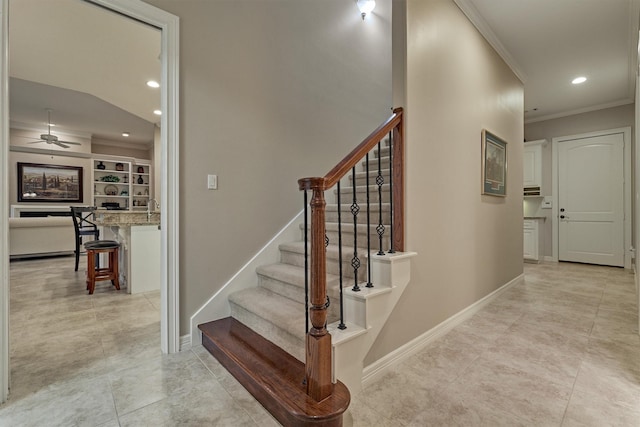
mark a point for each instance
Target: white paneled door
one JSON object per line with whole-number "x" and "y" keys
{"x": 591, "y": 200}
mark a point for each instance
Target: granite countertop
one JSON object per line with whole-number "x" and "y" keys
{"x": 535, "y": 217}
{"x": 124, "y": 218}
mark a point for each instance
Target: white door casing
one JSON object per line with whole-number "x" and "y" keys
{"x": 169, "y": 24}
{"x": 4, "y": 201}
{"x": 592, "y": 198}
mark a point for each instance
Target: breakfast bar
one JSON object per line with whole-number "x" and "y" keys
{"x": 139, "y": 236}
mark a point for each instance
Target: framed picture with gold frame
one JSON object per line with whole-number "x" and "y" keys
{"x": 494, "y": 165}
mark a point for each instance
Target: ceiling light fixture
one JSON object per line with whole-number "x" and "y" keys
{"x": 579, "y": 80}
{"x": 125, "y": 134}
{"x": 365, "y": 6}
{"x": 154, "y": 84}
{"x": 157, "y": 112}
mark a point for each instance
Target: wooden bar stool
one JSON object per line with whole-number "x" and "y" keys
{"x": 110, "y": 272}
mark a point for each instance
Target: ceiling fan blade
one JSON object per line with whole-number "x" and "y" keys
{"x": 60, "y": 144}
{"x": 34, "y": 142}
{"x": 70, "y": 142}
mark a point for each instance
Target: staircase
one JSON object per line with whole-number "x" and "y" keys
{"x": 263, "y": 342}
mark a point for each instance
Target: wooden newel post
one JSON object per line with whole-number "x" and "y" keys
{"x": 318, "y": 349}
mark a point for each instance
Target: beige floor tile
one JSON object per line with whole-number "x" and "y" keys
{"x": 561, "y": 348}
{"x": 502, "y": 388}
{"x": 586, "y": 410}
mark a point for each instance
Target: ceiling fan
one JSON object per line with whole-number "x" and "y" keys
{"x": 49, "y": 138}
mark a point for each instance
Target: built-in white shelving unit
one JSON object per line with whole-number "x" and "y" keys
{"x": 121, "y": 184}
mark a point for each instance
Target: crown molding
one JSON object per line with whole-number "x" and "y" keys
{"x": 468, "y": 8}
{"x": 618, "y": 103}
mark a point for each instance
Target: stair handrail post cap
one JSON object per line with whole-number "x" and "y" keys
{"x": 313, "y": 183}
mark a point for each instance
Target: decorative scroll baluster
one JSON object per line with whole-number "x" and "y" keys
{"x": 355, "y": 261}
{"x": 342, "y": 324}
{"x": 380, "y": 182}
{"x": 369, "y": 284}
{"x": 392, "y": 250}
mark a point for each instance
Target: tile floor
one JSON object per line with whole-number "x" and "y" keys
{"x": 561, "y": 349}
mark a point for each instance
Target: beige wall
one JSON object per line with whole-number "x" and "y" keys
{"x": 609, "y": 118}
{"x": 270, "y": 91}
{"x": 468, "y": 245}
{"x": 106, "y": 147}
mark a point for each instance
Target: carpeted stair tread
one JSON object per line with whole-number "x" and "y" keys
{"x": 291, "y": 274}
{"x": 283, "y": 313}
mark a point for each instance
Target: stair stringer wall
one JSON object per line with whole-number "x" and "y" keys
{"x": 217, "y": 307}
{"x": 367, "y": 311}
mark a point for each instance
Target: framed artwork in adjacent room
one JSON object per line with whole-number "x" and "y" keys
{"x": 49, "y": 183}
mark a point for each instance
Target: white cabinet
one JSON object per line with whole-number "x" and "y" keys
{"x": 532, "y": 166}
{"x": 532, "y": 242}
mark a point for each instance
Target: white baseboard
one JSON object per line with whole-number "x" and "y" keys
{"x": 185, "y": 342}
{"x": 381, "y": 366}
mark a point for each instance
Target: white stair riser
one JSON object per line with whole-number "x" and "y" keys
{"x": 391, "y": 273}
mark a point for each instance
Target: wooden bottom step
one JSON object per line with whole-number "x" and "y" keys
{"x": 271, "y": 375}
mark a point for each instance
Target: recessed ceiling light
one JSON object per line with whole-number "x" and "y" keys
{"x": 125, "y": 134}
{"x": 157, "y": 112}
{"x": 153, "y": 83}
{"x": 579, "y": 80}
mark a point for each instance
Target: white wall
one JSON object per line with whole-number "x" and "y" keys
{"x": 468, "y": 245}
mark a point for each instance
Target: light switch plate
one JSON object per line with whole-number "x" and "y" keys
{"x": 212, "y": 182}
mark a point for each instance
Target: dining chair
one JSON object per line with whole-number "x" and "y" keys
{"x": 83, "y": 226}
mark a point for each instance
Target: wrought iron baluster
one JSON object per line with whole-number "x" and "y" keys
{"x": 306, "y": 264}
{"x": 369, "y": 284}
{"x": 380, "y": 182}
{"x": 341, "y": 325}
{"x": 392, "y": 250}
{"x": 355, "y": 261}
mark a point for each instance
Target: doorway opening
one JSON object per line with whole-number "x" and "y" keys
{"x": 168, "y": 24}
{"x": 592, "y": 198}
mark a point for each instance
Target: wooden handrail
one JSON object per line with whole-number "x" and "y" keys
{"x": 345, "y": 165}
{"x": 318, "y": 343}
